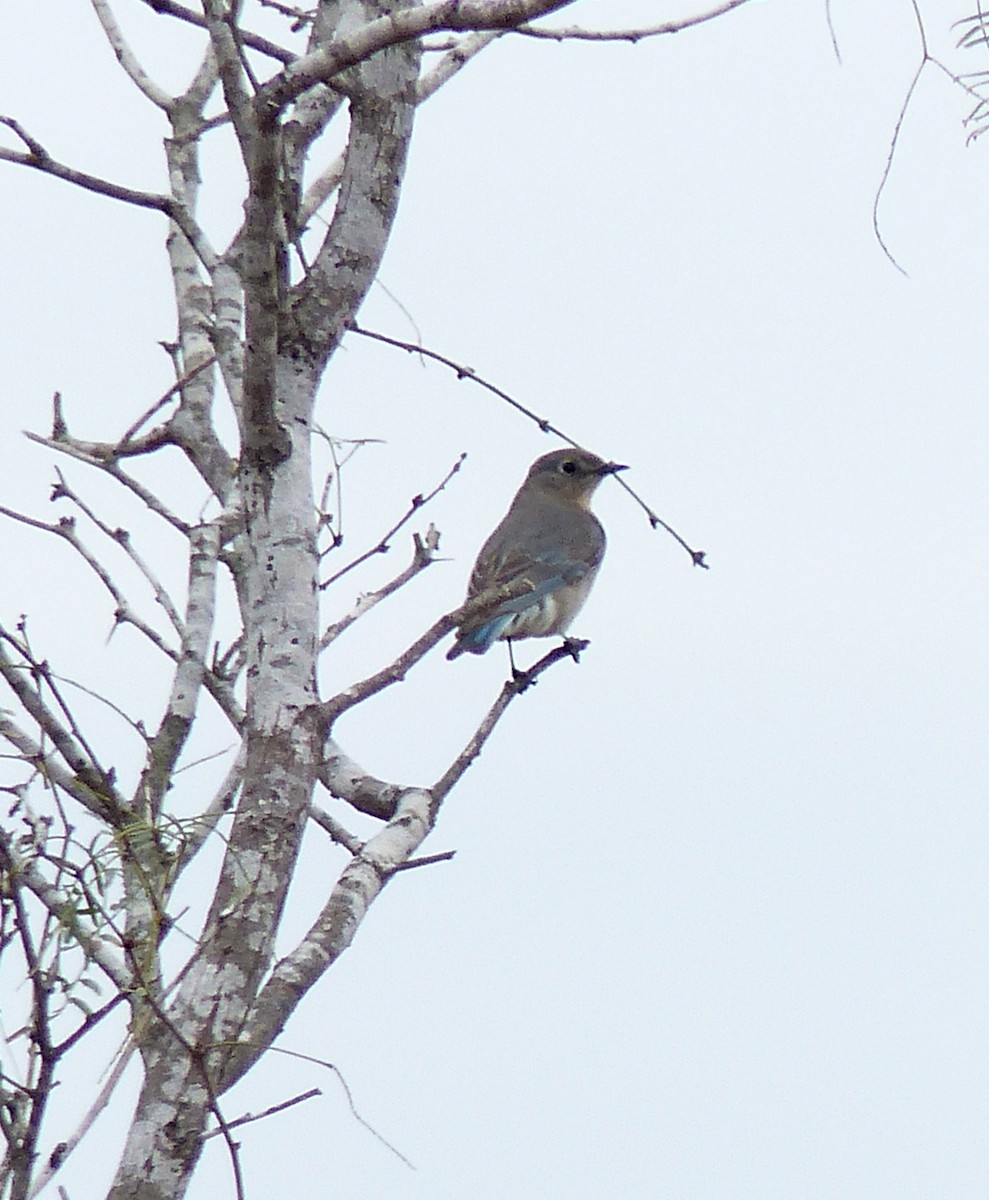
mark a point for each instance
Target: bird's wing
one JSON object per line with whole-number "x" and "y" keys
{"x": 518, "y": 577}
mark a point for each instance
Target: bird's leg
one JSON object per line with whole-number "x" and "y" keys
{"x": 521, "y": 681}
{"x": 516, "y": 673}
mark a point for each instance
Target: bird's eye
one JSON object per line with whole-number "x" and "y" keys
{"x": 568, "y": 467}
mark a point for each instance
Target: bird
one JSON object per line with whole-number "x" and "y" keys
{"x": 536, "y": 569}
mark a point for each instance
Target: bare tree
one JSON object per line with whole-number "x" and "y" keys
{"x": 89, "y": 864}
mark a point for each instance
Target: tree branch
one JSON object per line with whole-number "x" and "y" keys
{"x": 170, "y": 8}
{"x": 67, "y": 445}
{"x": 38, "y": 158}
{"x": 128, "y": 59}
{"x": 346, "y": 780}
{"x": 381, "y": 547}
{"x": 453, "y": 61}
{"x": 464, "y": 372}
{"x": 638, "y": 34}
{"x": 103, "y": 798}
{"x": 402, "y": 25}
{"x": 96, "y": 948}
{"x": 423, "y": 556}
{"x": 395, "y": 672}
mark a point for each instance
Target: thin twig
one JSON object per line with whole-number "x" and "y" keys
{"x": 383, "y": 545}
{"x": 925, "y": 58}
{"x": 64, "y": 1149}
{"x": 887, "y": 168}
{"x": 463, "y": 372}
{"x": 831, "y": 30}
{"x": 393, "y": 673}
{"x": 250, "y": 1118}
{"x": 93, "y": 945}
{"x": 343, "y": 837}
{"x": 68, "y": 446}
{"x": 123, "y": 614}
{"x": 334, "y": 480}
{"x": 574, "y": 33}
{"x": 254, "y": 40}
{"x": 423, "y": 555}
{"x": 174, "y": 391}
{"x": 545, "y": 426}
{"x": 320, "y": 1062}
{"x": 123, "y": 539}
{"x": 427, "y": 860}
{"x": 37, "y": 158}
{"x": 570, "y": 648}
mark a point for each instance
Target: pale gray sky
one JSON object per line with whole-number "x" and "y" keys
{"x": 717, "y": 924}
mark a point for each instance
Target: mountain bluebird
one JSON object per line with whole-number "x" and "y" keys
{"x": 536, "y": 569}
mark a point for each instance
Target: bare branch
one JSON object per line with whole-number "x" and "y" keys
{"x": 926, "y": 59}
{"x": 333, "y": 930}
{"x": 102, "y": 798}
{"x": 340, "y": 835}
{"x": 64, "y": 1149}
{"x": 570, "y": 648}
{"x": 349, "y": 256}
{"x": 67, "y": 445}
{"x": 50, "y": 769}
{"x": 424, "y": 554}
{"x": 402, "y": 25}
{"x": 360, "y": 883}
{"x": 300, "y": 17}
{"x": 829, "y": 17}
{"x": 122, "y": 538}
{"x": 346, "y": 780}
{"x": 196, "y": 833}
{"x": 38, "y": 158}
{"x": 22, "y": 1136}
{"x": 255, "y": 41}
{"x": 455, "y": 59}
{"x": 123, "y": 613}
{"x": 250, "y": 1118}
{"x": 417, "y": 502}
{"x": 129, "y": 437}
{"x": 464, "y": 372}
{"x": 638, "y": 34}
{"x": 887, "y": 168}
{"x": 350, "y": 1098}
{"x": 230, "y": 66}
{"x": 395, "y": 672}
{"x": 128, "y": 59}
{"x": 176, "y": 723}
{"x": 453, "y": 62}
{"x": 97, "y": 949}
{"x": 427, "y": 860}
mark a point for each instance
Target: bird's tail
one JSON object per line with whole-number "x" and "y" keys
{"x": 480, "y": 638}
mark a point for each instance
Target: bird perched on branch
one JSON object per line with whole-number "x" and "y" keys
{"x": 535, "y": 571}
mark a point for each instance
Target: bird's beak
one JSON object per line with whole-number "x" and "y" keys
{"x": 612, "y": 468}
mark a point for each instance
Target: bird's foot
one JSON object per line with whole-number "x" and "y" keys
{"x": 574, "y": 646}
{"x": 521, "y": 681}
{"x": 569, "y": 648}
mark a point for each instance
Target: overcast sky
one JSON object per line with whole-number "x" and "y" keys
{"x": 716, "y": 926}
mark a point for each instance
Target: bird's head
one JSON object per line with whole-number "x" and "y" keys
{"x": 571, "y": 475}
